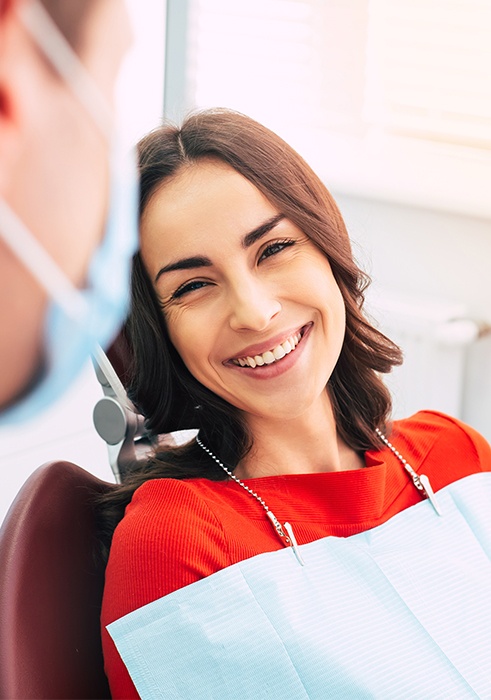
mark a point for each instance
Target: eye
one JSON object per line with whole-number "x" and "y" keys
{"x": 188, "y": 287}
{"x": 275, "y": 248}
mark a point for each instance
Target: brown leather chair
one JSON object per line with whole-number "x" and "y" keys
{"x": 51, "y": 583}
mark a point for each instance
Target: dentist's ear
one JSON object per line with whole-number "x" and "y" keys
{"x": 6, "y": 6}
{"x": 11, "y": 39}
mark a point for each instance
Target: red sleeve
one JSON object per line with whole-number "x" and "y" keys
{"x": 169, "y": 538}
{"x": 468, "y": 450}
{"x": 481, "y": 446}
{"x": 442, "y": 447}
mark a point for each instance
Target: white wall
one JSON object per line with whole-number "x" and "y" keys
{"x": 431, "y": 255}
{"x": 422, "y": 252}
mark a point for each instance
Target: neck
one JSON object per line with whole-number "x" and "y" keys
{"x": 308, "y": 443}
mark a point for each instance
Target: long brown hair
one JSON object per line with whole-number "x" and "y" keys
{"x": 165, "y": 392}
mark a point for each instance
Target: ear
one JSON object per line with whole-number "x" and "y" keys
{"x": 5, "y": 7}
{"x": 10, "y": 55}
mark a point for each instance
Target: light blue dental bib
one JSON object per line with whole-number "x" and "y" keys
{"x": 399, "y": 612}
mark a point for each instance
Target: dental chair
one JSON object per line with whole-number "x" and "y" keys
{"x": 51, "y": 584}
{"x": 51, "y": 579}
{"x": 115, "y": 417}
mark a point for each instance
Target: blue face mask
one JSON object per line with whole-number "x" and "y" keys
{"x": 76, "y": 321}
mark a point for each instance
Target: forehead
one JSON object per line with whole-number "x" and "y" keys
{"x": 206, "y": 203}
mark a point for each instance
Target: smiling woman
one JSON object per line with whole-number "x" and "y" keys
{"x": 226, "y": 173}
{"x": 248, "y": 281}
{"x": 247, "y": 324}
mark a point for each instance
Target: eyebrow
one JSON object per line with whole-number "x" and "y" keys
{"x": 196, "y": 261}
{"x": 184, "y": 264}
{"x": 250, "y": 238}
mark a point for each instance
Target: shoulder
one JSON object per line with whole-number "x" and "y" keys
{"x": 165, "y": 515}
{"x": 168, "y": 538}
{"x": 165, "y": 497}
{"x": 435, "y": 441}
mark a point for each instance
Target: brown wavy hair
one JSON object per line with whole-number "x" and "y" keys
{"x": 162, "y": 388}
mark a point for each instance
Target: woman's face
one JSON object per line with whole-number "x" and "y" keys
{"x": 250, "y": 303}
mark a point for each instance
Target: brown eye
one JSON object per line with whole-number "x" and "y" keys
{"x": 275, "y": 248}
{"x": 188, "y": 287}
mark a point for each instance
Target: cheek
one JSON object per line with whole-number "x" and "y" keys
{"x": 338, "y": 303}
{"x": 192, "y": 342}
{"x": 329, "y": 299}
{"x": 337, "y": 310}
{"x": 316, "y": 283}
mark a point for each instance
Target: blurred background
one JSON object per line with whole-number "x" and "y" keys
{"x": 390, "y": 102}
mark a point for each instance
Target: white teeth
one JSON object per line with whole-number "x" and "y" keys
{"x": 270, "y": 356}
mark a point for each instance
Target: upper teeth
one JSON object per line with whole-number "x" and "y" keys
{"x": 270, "y": 356}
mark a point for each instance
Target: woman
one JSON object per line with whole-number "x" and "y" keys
{"x": 301, "y": 546}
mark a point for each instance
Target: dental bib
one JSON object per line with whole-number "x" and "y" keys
{"x": 400, "y": 611}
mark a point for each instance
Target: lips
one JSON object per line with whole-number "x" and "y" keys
{"x": 276, "y": 352}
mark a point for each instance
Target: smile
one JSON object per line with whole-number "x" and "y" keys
{"x": 271, "y": 356}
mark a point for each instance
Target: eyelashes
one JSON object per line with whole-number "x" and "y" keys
{"x": 188, "y": 287}
{"x": 272, "y": 249}
{"x": 276, "y": 247}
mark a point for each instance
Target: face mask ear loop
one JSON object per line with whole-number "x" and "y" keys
{"x": 46, "y": 35}
{"x": 42, "y": 267}
{"x": 52, "y": 279}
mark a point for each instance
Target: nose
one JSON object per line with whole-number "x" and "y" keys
{"x": 253, "y": 305}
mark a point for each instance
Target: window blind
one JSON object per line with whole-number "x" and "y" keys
{"x": 379, "y": 93}
{"x": 429, "y": 69}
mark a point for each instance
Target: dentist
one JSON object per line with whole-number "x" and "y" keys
{"x": 67, "y": 194}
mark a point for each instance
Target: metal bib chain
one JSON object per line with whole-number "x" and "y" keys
{"x": 421, "y": 481}
{"x": 285, "y": 530}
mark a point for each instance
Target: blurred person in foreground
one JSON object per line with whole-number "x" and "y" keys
{"x": 67, "y": 194}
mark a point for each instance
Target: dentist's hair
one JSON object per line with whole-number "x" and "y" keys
{"x": 163, "y": 389}
{"x": 71, "y": 16}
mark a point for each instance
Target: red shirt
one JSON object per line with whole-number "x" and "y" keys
{"x": 176, "y": 532}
